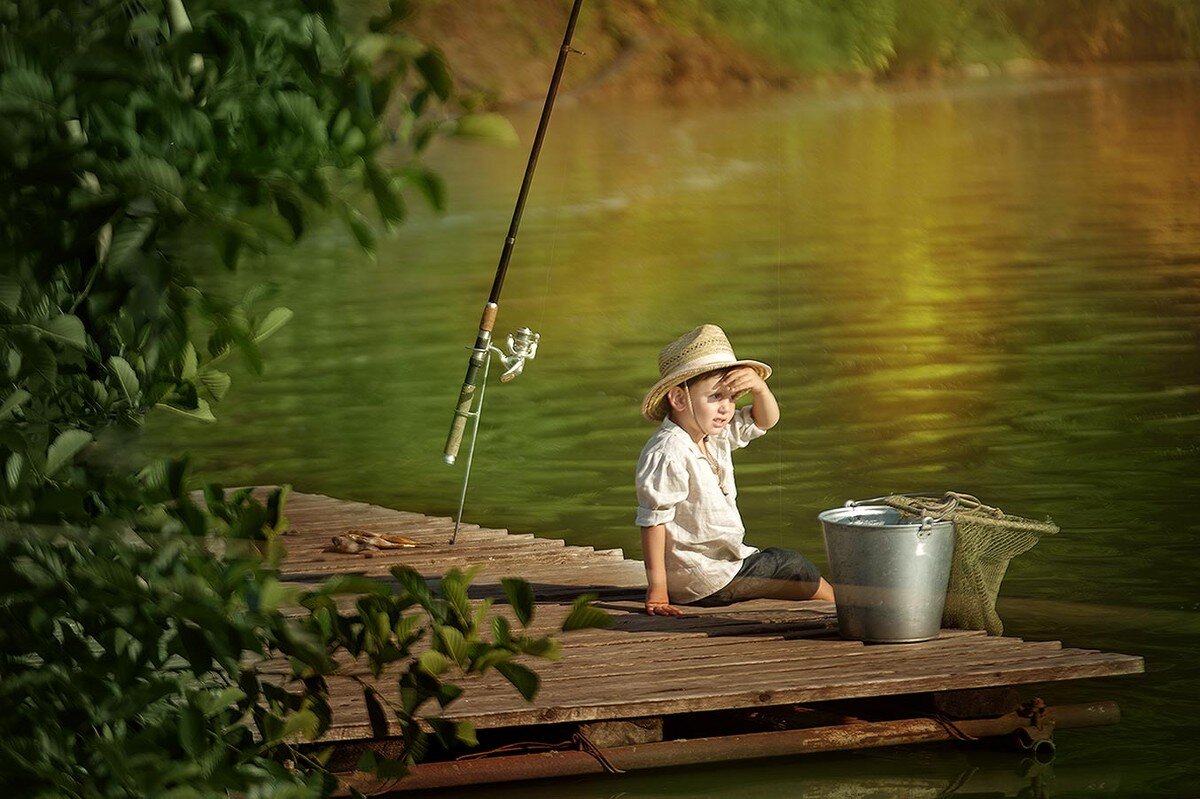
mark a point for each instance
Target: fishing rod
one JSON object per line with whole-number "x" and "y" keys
{"x": 522, "y": 344}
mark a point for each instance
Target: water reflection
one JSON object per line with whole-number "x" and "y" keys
{"x": 992, "y": 288}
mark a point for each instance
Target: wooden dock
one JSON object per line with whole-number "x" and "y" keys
{"x": 726, "y": 669}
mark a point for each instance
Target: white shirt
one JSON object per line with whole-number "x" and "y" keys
{"x": 676, "y": 487}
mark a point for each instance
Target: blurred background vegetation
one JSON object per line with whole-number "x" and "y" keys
{"x": 639, "y": 49}
{"x": 888, "y": 35}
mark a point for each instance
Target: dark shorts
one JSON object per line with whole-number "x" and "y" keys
{"x": 772, "y": 573}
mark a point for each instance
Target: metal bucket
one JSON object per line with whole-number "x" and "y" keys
{"x": 889, "y": 575}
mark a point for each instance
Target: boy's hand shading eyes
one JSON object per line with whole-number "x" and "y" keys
{"x": 738, "y": 381}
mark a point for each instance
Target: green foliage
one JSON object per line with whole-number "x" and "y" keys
{"x": 883, "y": 36}
{"x": 136, "y": 623}
{"x": 139, "y": 661}
{"x": 125, "y": 129}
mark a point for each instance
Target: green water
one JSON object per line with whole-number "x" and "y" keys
{"x": 992, "y": 287}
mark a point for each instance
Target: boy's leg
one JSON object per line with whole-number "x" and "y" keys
{"x": 781, "y": 574}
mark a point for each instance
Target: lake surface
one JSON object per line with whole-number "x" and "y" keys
{"x": 992, "y": 287}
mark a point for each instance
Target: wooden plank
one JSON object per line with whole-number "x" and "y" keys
{"x": 755, "y": 696}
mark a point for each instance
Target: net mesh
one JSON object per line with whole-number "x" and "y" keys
{"x": 985, "y": 540}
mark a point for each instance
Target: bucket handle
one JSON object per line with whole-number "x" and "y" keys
{"x": 950, "y": 500}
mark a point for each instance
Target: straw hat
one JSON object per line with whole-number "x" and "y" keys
{"x": 701, "y": 350}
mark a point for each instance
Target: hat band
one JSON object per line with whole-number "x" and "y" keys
{"x": 715, "y": 359}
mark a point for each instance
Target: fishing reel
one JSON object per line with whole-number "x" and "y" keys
{"x": 522, "y": 346}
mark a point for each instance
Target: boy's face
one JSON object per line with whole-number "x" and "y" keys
{"x": 713, "y": 406}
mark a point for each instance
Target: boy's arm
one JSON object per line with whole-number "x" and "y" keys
{"x": 764, "y": 409}
{"x": 654, "y": 546}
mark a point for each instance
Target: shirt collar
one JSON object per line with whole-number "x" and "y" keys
{"x": 676, "y": 430}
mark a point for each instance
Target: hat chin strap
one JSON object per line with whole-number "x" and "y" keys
{"x": 688, "y": 391}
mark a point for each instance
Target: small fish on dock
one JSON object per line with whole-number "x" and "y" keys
{"x": 361, "y": 542}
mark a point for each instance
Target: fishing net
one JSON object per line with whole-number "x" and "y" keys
{"x": 985, "y": 540}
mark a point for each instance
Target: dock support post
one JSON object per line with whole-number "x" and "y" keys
{"x": 857, "y": 735}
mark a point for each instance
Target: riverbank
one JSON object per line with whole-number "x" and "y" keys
{"x": 677, "y": 50}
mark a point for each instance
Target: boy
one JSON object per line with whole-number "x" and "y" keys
{"x": 691, "y": 529}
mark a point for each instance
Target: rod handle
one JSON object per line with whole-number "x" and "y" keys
{"x": 466, "y": 395}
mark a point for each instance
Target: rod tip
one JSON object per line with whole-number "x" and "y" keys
{"x": 448, "y": 459}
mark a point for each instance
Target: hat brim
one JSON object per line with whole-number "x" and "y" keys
{"x": 654, "y": 409}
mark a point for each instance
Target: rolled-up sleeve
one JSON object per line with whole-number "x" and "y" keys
{"x": 742, "y": 429}
{"x": 662, "y": 484}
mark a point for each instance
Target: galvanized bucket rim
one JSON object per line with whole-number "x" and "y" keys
{"x": 827, "y": 516}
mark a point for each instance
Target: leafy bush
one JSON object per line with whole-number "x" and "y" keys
{"x": 138, "y": 625}
{"x": 140, "y": 663}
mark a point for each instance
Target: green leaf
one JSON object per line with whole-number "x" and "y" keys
{"x": 586, "y": 617}
{"x": 433, "y": 663}
{"x": 201, "y": 413}
{"x": 444, "y": 730}
{"x": 266, "y": 222}
{"x": 12, "y": 402}
{"x": 26, "y": 89}
{"x": 454, "y": 643}
{"x": 65, "y": 329}
{"x": 465, "y": 732}
{"x": 291, "y": 210}
{"x": 300, "y": 111}
{"x": 454, "y": 588}
{"x": 190, "y": 363}
{"x": 191, "y": 731}
{"x": 387, "y": 196}
{"x": 277, "y": 318}
{"x": 305, "y": 722}
{"x": 490, "y": 658}
{"x": 272, "y": 594}
{"x": 127, "y": 239}
{"x": 544, "y": 647}
{"x": 360, "y": 227}
{"x": 213, "y": 702}
{"x": 374, "y": 763}
{"x": 429, "y": 183}
{"x": 154, "y": 176}
{"x": 352, "y": 584}
{"x": 447, "y": 693}
{"x": 432, "y": 66}
{"x": 126, "y": 377}
{"x": 408, "y": 629}
{"x": 65, "y": 448}
{"x": 488, "y": 127}
{"x": 500, "y": 630}
{"x": 13, "y": 469}
{"x": 521, "y": 677}
{"x": 215, "y": 382}
{"x": 520, "y": 595}
{"x": 375, "y": 713}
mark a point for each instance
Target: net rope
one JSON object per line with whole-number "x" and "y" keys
{"x": 985, "y": 540}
